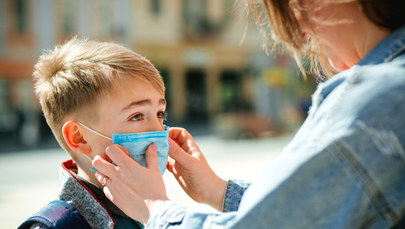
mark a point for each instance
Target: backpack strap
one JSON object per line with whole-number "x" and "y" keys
{"x": 57, "y": 215}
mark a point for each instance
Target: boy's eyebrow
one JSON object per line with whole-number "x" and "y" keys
{"x": 162, "y": 102}
{"x": 143, "y": 102}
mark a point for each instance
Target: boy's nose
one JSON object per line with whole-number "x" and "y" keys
{"x": 156, "y": 125}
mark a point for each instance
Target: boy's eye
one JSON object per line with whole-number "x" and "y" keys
{"x": 137, "y": 117}
{"x": 162, "y": 115}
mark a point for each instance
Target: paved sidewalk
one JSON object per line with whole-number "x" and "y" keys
{"x": 29, "y": 179}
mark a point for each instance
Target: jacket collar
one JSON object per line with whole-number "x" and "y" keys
{"x": 385, "y": 51}
{"x": 74, "y": 192}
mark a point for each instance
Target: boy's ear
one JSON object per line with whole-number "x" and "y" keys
{"x": 74, "y": 138}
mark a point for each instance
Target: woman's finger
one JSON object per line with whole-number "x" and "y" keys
{"x": 120, "y": 156}
{"x": 105, "y": 157}
{"x": 170, "y": 164}
{"x": 103, "y": 179}
{"x": 103, "y": 166}
{"x": 174, "y": 132}
{"x": 179, "y": 134}
{"x": 107, "y": 193}
{"x": 151, "y": 157}
{"x": 99, "y": 176}
{"x": 178, "y": 154}
{"x": 183, "y": 139}
{"x": 123, "y": 149}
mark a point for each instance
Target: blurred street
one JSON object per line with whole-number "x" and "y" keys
{"x": 29, "y": 179}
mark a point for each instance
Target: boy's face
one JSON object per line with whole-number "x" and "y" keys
{"x": 134, "y": 106}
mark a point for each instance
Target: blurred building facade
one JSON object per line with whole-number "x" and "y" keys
{"x": 194, "y": 43}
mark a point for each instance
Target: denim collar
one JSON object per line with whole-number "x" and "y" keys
{"x": 390, "y": 47}
{"x": 385, "y": 51}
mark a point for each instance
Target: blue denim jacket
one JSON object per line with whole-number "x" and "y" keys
{"x": 345, "y": 168}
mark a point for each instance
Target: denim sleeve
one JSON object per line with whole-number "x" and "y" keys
{"x": 329, "y": 189}
{"x": 233, "y": 195}
{"x": 173, "y": 215}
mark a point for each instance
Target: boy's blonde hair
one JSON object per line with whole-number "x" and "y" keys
{"x": 75, "y": 74}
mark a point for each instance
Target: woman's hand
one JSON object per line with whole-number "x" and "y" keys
{"x": 191, "y": 170}
{"x": 134, "y": 189}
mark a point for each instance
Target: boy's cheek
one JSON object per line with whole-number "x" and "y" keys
{"x": 98, "y": 149}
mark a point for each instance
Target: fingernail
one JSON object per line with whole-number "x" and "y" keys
{"x": 153, "y": 146}
{"x": 110, "y": 148}
{"x": 170, "y": 142}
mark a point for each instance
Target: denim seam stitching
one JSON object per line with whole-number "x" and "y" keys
{"x": 226, "y": 194}
{"x": 366, "y": 181}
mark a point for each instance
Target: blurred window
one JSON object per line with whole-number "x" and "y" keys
{"x": 195, "y": 18}
{"x": 2, "y": 27}
{"x": 156, "y": 7}
{"x": 25, "y": 88}
{"x": 67, "y": 17}
{"x": 118, "y": 18}
{"x": 7, "y": 115}
{"x": 194, "y": 10}
{"x": 20, "y": 12}
{"x": 105, "y": 17}
{"x": 4, "y": 95}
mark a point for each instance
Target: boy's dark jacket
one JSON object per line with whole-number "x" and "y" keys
{"x": 90, "y": 201}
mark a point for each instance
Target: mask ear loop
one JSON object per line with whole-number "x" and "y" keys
{"x": 88, "y": 128}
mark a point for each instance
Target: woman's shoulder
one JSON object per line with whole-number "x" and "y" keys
{"x": 363, "y": 84}
{"x": 381, "y": 85}
{"x": 362, "y": 88}
{"x": 373, "y": 95}
{"x": 387, "y": 71}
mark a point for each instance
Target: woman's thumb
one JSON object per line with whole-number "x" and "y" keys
{"x": 177, "y": 153}
{"x": 151, "y": 157}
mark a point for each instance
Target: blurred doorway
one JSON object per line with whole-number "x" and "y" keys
{"x": 231, "y": 91}
{"x": 196, "y": 101}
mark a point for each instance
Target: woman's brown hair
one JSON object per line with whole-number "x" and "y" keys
{"x": 279, "y": 25}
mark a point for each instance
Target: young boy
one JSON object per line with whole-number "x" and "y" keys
{"x": 89, "y": 91}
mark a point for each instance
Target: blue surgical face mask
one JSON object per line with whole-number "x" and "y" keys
{"x": 137, "y": 143}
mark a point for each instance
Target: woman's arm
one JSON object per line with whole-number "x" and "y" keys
{"x": 191, "y": 170}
